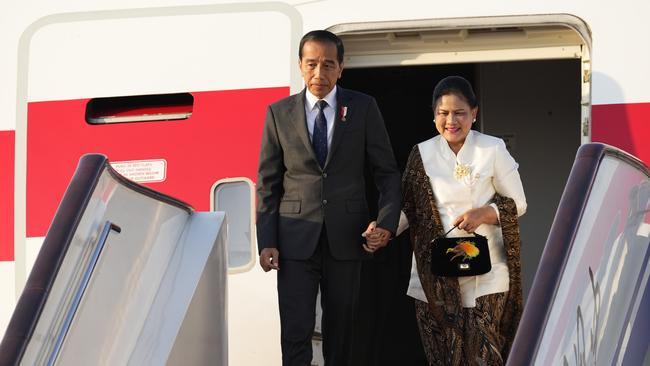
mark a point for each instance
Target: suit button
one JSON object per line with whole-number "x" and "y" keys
{"x": 324, "y": 175}
{"x": 324, "y": 202}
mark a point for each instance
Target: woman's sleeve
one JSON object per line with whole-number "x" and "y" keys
{"x": 408, "y": 180}
{"x": 403, "y": 223}
{"x": 507, "y": 181}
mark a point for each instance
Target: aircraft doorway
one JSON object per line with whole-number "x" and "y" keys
{"x": 533, "y": 105}
{"x": 534, "y": 92}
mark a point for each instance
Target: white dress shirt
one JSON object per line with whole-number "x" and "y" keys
{"x": 491, "y": 170}
{"x": 311, "y": 111}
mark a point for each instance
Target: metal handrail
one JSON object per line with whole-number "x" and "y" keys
{"x": 76, "y": 300}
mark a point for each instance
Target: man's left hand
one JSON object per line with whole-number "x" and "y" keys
{"x": 375, "y": 239}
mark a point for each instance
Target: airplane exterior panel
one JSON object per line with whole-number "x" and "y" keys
{"x": 6, "y": 196}
{"x": 7, "y": 291}
{"x": 625, "y": 126}
{"x": 220, "y": 139}
{"x": 154, "y": 54}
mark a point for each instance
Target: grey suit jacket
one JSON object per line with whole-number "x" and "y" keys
{"x": 295, "y": 196}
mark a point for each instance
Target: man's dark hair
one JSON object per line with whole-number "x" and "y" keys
{"x": 456, "y": 85}
{"x": 323, "y": 36}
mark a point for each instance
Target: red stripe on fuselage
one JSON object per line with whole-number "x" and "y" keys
{"x": 626, "y": 126}
{"x": 221, "y": 139}
{"x": 7, "y": 147}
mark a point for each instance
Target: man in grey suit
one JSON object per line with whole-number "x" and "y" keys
{"x": 311, "y": 200}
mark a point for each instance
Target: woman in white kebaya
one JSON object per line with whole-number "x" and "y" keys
{"x": 466, "y": 179}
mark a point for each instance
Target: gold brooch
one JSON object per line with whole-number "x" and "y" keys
{"x": 461, "y": 170}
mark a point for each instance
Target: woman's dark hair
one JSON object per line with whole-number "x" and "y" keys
{"x": 456, "y": 85}
{"x": 324, "y": 37}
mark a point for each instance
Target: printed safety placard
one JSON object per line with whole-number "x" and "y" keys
{"x": 142, "y": 171}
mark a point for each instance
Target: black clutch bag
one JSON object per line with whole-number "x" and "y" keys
{"x": 463, "y": 256}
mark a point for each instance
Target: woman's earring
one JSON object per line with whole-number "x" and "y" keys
{"x": 434, "y": 120}
{"x": 474, "y": 121}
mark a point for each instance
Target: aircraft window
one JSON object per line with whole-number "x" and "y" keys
{"x": 235, "y": 197}
{"x": 139, "y": 108}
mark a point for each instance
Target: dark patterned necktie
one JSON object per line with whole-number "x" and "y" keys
{"x": 319, "y": 139}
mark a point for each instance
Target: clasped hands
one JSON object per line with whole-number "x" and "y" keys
{"x": 376, "y": 237}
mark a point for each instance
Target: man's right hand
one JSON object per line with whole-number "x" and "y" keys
{"x": 270, "y": 259}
